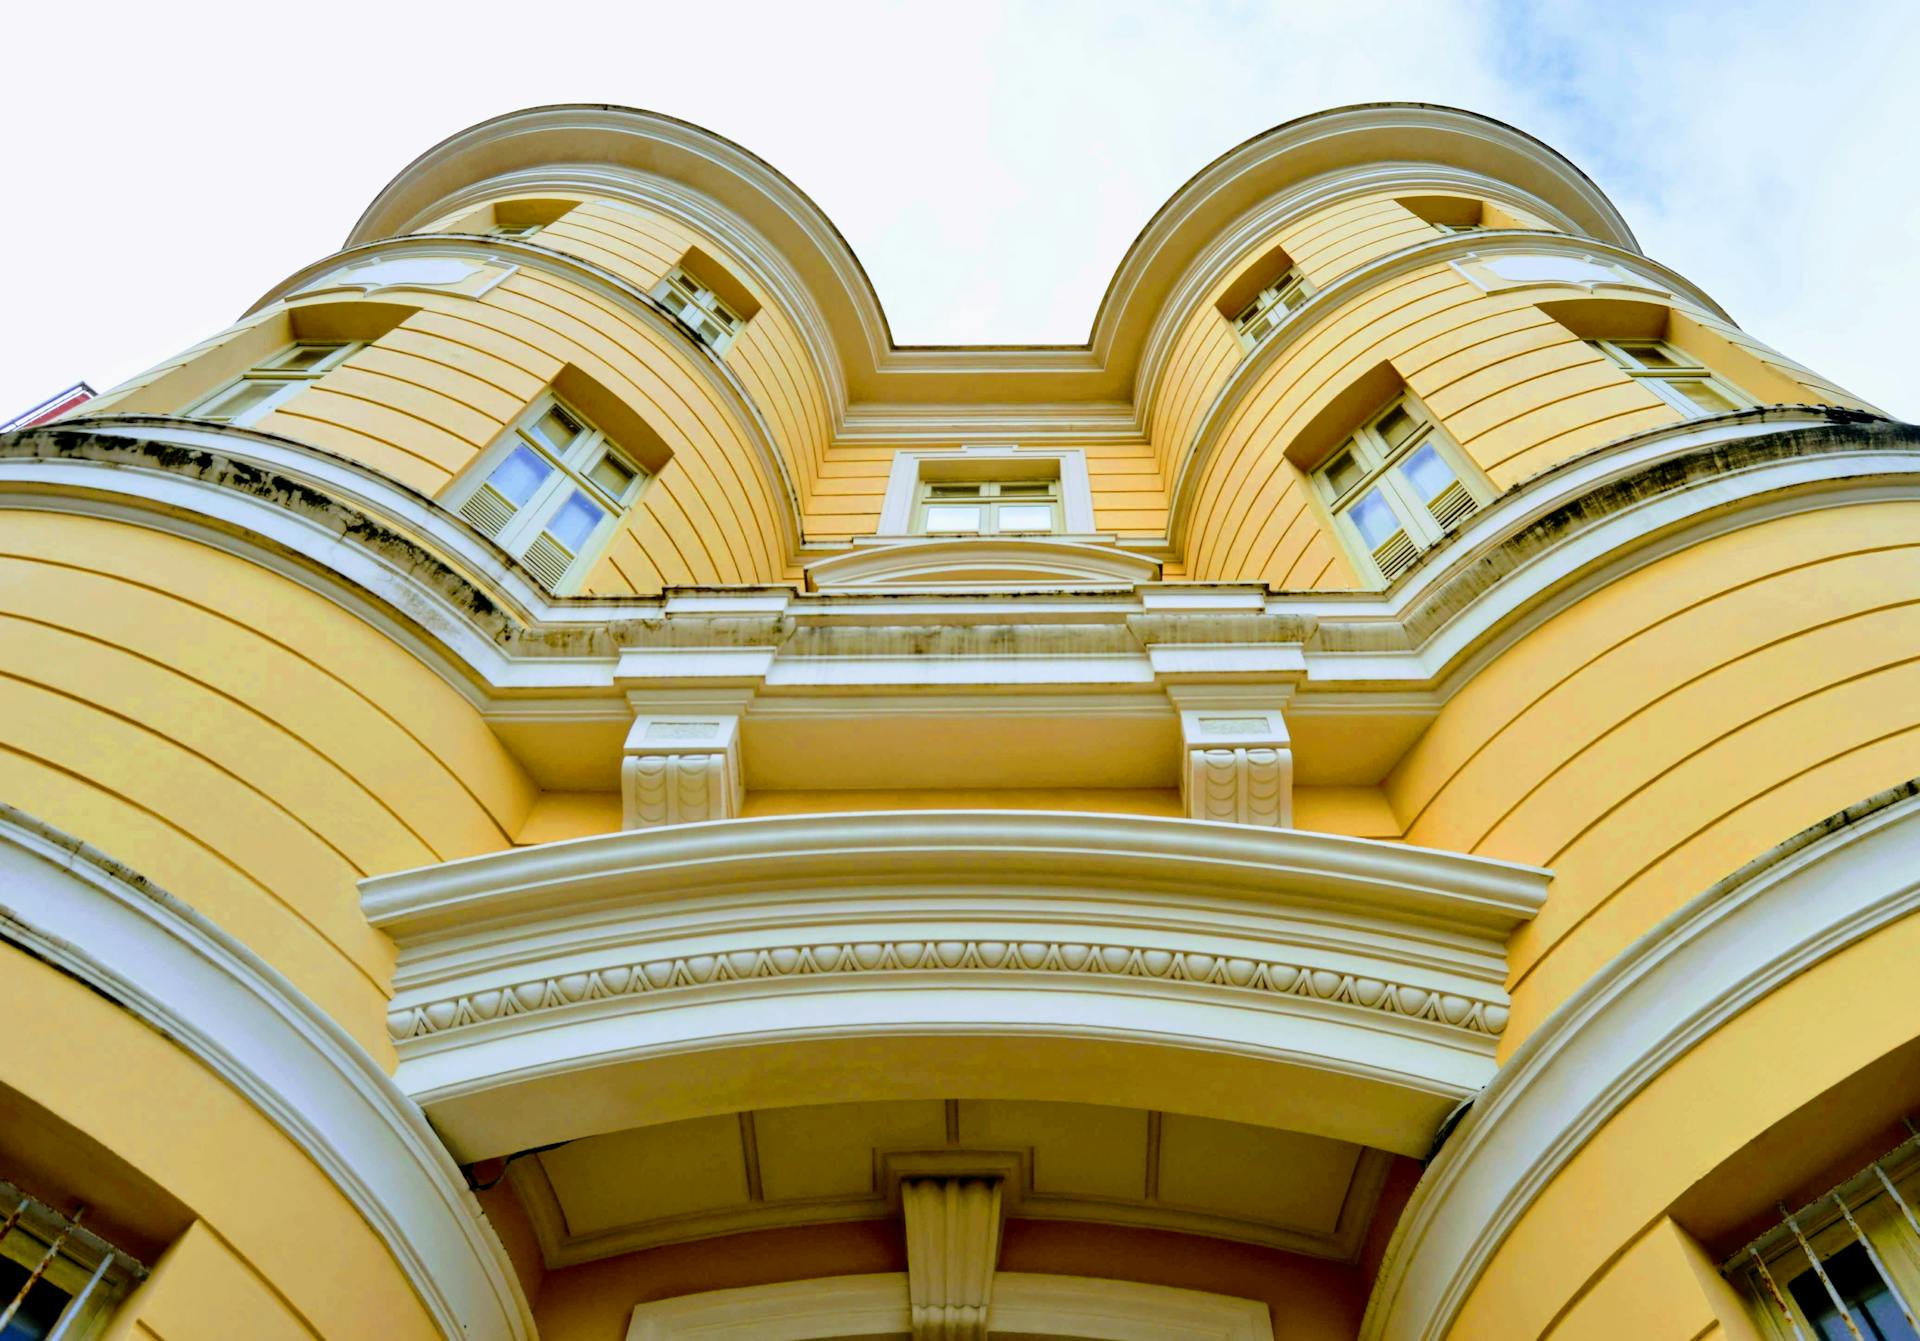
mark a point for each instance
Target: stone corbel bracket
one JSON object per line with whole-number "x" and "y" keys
{"x": 1237, "y": 759}
{"x": 682, "y": 759}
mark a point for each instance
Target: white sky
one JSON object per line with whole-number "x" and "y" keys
{"x": 989, "y": 163}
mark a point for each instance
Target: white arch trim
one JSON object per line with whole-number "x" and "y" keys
{"x": 1830, "y": 887}
{"x": 75, "y": 908}
{"x": 1024, "y": 1303}
{"x": 1340, "y": 986}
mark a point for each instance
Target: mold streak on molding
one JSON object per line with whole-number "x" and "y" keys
{"x": 544, "y": 973}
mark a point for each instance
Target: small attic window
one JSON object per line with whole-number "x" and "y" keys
{"x": 707, "y": 299}
{"x": 1462, "y": 214}
{"x": 1259, "y": 300}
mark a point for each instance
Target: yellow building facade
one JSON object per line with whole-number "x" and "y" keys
{"x": 559, "y": 784}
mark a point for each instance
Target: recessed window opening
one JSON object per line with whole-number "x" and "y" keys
{"x": 1463, "y": 214}
{"x": 988, "y": 507}
{"x": 272, "y": 382}
{"x": 1258, "y": 301}
{"x": 1396, "y": 487}
{"x": 552, "y": 491}
{"x": 57, "y": 1278}
{"x": 700, "y": 309}
{"x": 1681, "y": 381}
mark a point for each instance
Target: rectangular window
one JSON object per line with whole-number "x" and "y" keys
{"x": 1269, "y": 308}
{"x": 1397, "y": 487}
{"x": 699, "y": 308}
{"x": 551, "y": 493}
{"x": 57, "y": 1278}
{"x": 273, "y": 381}
{"x": 1678, "y": 380}
{"x": 988, "y": 507}
{"x": 1844, "y": 1267}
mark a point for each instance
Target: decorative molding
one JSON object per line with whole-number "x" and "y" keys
{"x": 953, "y": 1249}
{"x": 1239, "y": 758}
{"x": 1317, "y": 964}
{"x": 1027, "y": 1304}
{"x": 683, "y": 767}
{"x": 980, "y": 564}
{"x": 77, "y": 909}
{"x": 1831, "y": 886}
{"x": 1486, "y": 1014}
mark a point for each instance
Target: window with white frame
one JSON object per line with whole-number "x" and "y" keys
{"x": 1683, "y": 383}
{"x": 988, "y": 507}
{"x": 514, "y": 229}
{"x": 273, "y": 381}
{"x": 1270, "y": 307}
{"x": 699, "y": 308}
{"x": 1461, "y": 227}
{"x": 552, "y": 491}
{"x": 1396, "y": 487}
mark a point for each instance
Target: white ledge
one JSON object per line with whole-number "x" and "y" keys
{"x": 1336, "y": 985}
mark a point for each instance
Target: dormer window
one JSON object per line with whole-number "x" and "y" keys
{"x": 1682, "y": 382}
{"x": 551, "y": 492}
{"x": 1396, "y": 487}
{"x": 271, "y": 382}
{"x": 1269, "y": 307}
{"x": 699, "y": 308}
{"x": 988, "y": 507}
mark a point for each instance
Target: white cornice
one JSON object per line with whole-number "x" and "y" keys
{"x": 516, "y": 151}
{"x": 1747, "y": 936}
{"x": 1351, "y": 961}
{"x": 147, "y": 951}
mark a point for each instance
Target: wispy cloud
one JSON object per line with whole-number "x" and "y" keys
{"x": 989, "y": 162}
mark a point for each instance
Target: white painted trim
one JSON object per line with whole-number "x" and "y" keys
{"x": 429, "y": 611}
{"x": 949, "y": 563}
{"x": 1833, "y": 886}
{"x": 909, "y": 463}
{"x": 1312, "y": 954}
{"x": 73, "y": 907}
{"x": 1027, "y": 1303}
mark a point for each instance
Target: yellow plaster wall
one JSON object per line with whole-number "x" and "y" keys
{"x": 240, "y": 741}
{"x": 1676, "y": 724}
{"x": 1129, "y": 496}
{"x": 1688, "y": 1120}
{"x": 1661, "y": 1288}
{"x": 277, "y": 1250}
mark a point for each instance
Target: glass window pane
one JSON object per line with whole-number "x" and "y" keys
{"x": 237, "y": 399}
{"x": 1428, "y": 472}
{"x": 1652, "y": 354}
{"x": 1875, "y": 1312}
{"x": 612, "y": 475}
{"x": 948, "y": 518}
{"x": 302, "y": 357}
{"x": 1026, "y": 489}
{"x": 575, "y": 521}
{"x": 1343, "y": 472}
{"x": 556, "y": 428}
{"x": 1396, "y": 426}
{"x": 1026, "y": 517}
{"x": 1374, "y": 518}
{"x": 953, "y": 491}
{"x": 517, "y": 477}
{"x": 1702, "y": 393}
